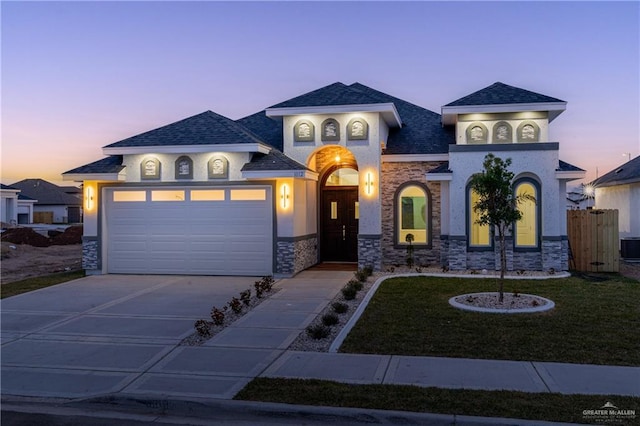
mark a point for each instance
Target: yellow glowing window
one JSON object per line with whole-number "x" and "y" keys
{"x": 412, "y": 209}
{"x": 167, "y": 195}
{"x": 527, "y": 227}
{"x": 479, "y": 235}
{"x": 334, "y": 210}
{"x": 207, "y": 195}
{"x": 248, "y": 194}
{"x": 129, "y": 196}
{"x": 357, "y": 210}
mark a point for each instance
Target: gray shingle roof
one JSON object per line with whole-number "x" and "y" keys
{"x": 207, "y": 128}
{"x": 566, "y": 167}
{"x": 627, "y": 173}
{"x": 331, "y": 95}
{"x": 46, "y": 192}
{"x": 7, "y": 187}
{"x": 110, "y": 164}
{"x": 266, "y": 128}
{"x": 274, "y": 160}
{"x": 442, "y": 168}
{"x": 500, "y": 94}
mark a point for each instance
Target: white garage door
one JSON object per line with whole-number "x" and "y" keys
{"x": 212, "y": 231}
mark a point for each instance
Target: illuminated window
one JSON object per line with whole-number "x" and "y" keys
{"x": 527, "y": 229}
{"x": 207, "y": 195}
{"x": 413, "y": 214}
{"x": 171, "y": 195}
{"x": 479, "y": 235}
{"x": 343, "y": 177}
{"x": 248, "y": 195}
{"x": 129, "y": 196}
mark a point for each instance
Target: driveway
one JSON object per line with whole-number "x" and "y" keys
{"x": 121, "y": 333}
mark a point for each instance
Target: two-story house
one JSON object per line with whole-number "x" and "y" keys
{"x": 340, "y": 174}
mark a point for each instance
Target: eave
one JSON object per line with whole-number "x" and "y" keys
{"x": 570, "y": 175}
{"x": 387, "y": 110}
{"x": 450, "y": 113}
{"x": 103, "y": 177}
{"x": 188, "y": 149}
{"x": 274, "y": 174}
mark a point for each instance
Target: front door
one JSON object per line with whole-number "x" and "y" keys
{"x": 339, "y": 218}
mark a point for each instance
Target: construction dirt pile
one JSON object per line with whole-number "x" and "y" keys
{"x": 72, "y": 235}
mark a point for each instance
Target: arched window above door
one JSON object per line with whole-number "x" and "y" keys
{"x": 342, "y": 177}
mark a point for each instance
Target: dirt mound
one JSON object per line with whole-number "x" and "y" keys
{"x": 25, "y": 236}
{"x": 71, "y": 235}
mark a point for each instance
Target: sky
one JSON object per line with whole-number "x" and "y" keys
{"x": 77, "y": 76}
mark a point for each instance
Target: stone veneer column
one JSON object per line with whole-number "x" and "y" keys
{"x": 370, "y": 251}
{"x": 90, "y": 259}
{"x": 554, "y": 251}
{"x": 457, "y": 252}
{"x": 296, "y": 254}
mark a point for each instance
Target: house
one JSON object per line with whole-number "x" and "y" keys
{"x": 8, "y": 205}
{"x": 580, "y": 198}
{"x": 620, "y": 189}
{"x": 52, "y": 204}
{"x": 340, "y": 174}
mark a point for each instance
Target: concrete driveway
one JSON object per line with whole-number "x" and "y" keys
{"x": 120, "y": 333}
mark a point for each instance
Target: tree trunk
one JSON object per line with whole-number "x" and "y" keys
{"x": 503, "y": 262}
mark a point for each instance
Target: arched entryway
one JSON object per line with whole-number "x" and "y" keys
{"x": 339, "y": 214}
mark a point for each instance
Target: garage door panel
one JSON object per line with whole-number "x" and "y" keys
{"x": 224, "y": 237}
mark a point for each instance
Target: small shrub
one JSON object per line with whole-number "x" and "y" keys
{"x": 318, "y": 331}
{"x": 349, "y": 292}
{"x": 330, "y": 319}
{"x": 267, "y": 283}
{"x": 356, "y": 284}
{"x": 339, "y": 307}
{"x": 259, "y": 290}
{"x": 361, "y": 275}
{"x": 202, "y": 328}
{"x": 217, "y": 315}
{"x": 419, "y": 270}
{"x": 245, "y": 296}
{"x": 368, "y": 270}
{"x": 391, "y": 268}
{"x": 235, "y": 305}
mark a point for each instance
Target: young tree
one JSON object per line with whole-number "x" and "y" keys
{"x": 497, "y": 204}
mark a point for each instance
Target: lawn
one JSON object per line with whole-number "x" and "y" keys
{"x": 533, "y": 406}
{"x": 592, "y": 323}
{"x": 30, "y": 284}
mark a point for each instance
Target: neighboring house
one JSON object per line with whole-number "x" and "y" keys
{"x": 580, "y": 198}
{"x": 9, "y": 204}
{"x": 620, "y": 189}
{"x": 340, "y": 174}
{"x": 52, "y": 201}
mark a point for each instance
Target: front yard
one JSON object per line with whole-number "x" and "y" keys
{"x": 592, "y": 323}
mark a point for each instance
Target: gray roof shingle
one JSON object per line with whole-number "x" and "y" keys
{"x": 110, "y": 164}
{"x": 266, "y": 128}
{"x": 331, "y": 95}
{"x": 627, "y": 173}
{"x": 46, "y": 192}
{"x": 207, "y": 128}
{"x": 500, "y": 94}
{"x": 274, "y": 160}
{"x": 563, "y": 166}
{"x": 442, "y": 168}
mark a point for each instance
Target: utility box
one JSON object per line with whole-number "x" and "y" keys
{"x": 630, "y": 248}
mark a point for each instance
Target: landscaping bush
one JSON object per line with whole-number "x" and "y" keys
{"x": 339, "y": 307}
{"x": 217, "y": 315}
{"x": 202, "y": 328}
{"x": 245, "y": 296}
{"x": 356, "y": 284}
{"x": 349, "y": 292}
{"x": 318, "y": 331}
{"x": 235, "y": 305}
{"x": 330, "y": 319}
{"x": 361, "y": 275}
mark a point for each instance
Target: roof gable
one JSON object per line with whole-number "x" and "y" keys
{"x": 331, "y": 95}
{"x": 627, "y": 173}
{"x": 502, "y": 94}
{"x": 110, "y": 164}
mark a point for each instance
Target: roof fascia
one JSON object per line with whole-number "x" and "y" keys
{"x": 629, "y": 181}
{"x": 436, "y": 177}
{"x": 270, "y": 174}
{"x": 107, "y": 177}
{"x": 387, "y": 110}
{"x": 450, "y": 113}
{"x": 404, "y": 158}
{"x": 188, "y": 149}
{"x": 570, "y": 175}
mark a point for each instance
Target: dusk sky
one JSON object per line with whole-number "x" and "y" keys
{"x": 77, "y": 76}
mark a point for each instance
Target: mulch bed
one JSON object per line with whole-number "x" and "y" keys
{"x": 72, "y": 235}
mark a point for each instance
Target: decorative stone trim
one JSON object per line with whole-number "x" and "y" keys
{"x": 184, "y": 168}
{"x": 477, "y": 133}
{"x": 150, "y": 168}
{"x": 528, "y": 131}
{"x": 90, "y": 256}
{"x": 304, "y": 131}
{"x": 218, "y": 167}
{"x": 330, "y": 129}
{"x": 502, "y": 132}
{"x": 370, "y": 251}
{"x": 357, "y": 129}
{"x": 296, "y": 254}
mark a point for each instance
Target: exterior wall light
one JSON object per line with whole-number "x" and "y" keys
{"x": 368, "y": 183}
{"x": 89, "y": 194}
{"x": 284, "y": 196}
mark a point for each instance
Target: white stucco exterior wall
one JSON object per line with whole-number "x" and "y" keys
{"x": 626, "y": 199}
{"x": 533, "y": 163}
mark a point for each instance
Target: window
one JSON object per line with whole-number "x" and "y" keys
{"x": 413, "y": 214}
{"x": 343, "y": 177}
{"x": 207, "y": 195}
{"x": 527, "y": 229}
{"x": 129, "y": 196}
{"x": 479, "y": 235}
{"x": 248, "y": 195}
{"x": 167, "y": 195}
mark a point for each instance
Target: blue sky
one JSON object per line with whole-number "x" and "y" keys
{"x": 79, "y": 75}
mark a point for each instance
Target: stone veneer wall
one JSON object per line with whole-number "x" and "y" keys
{"x": 90, "y": 257}
{"x": 369, "y": 252}
{"x": 295, "y": 255}
{"x": 554, "y": 254}
{"x": 392, "y": 176}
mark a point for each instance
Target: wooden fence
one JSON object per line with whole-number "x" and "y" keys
{"x": 593, "y": 240}
{"x": 42, "y": 217}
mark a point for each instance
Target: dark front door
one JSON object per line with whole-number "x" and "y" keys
{"x": 339, "y": 239}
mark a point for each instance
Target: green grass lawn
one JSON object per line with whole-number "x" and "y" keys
{"x": 592, "y": 323}
{"x": 30, "y": 284}
{"x": 520, "y": 405}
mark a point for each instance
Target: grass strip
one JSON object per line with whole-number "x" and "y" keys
{"x": 508, "y": 404}
{"x": 592, "y": 323}
{"x": 35, "y": 283}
